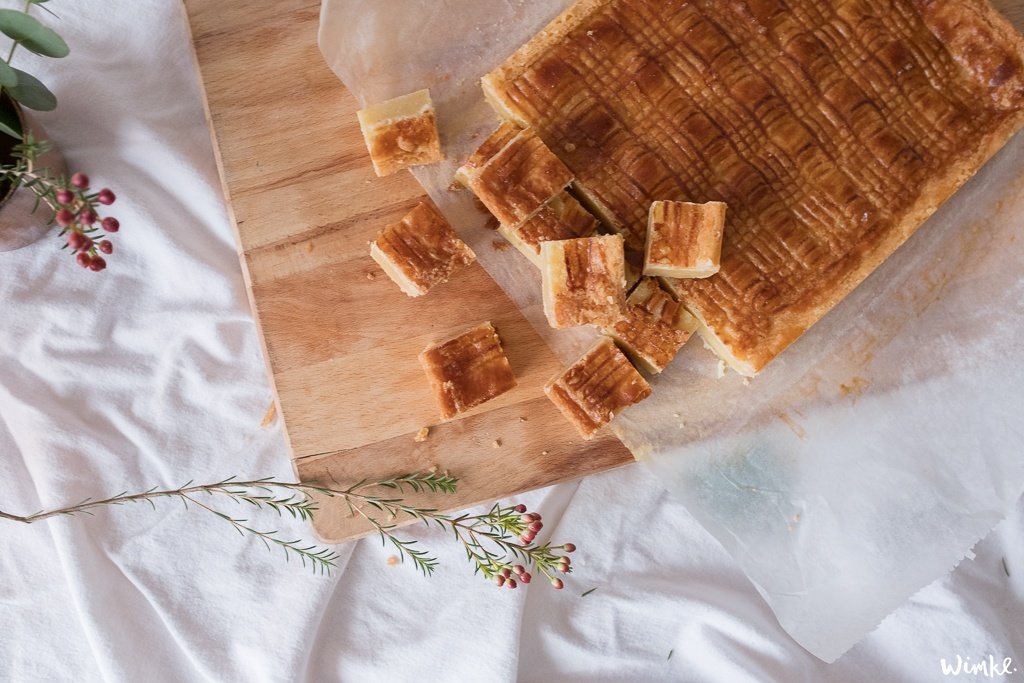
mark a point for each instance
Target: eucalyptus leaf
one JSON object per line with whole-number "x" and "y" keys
{"x": 31, "y": 33}
{"x": 30, "y": 92}
{"x": 8, "y": 79}
{"x": 9, "y": 123}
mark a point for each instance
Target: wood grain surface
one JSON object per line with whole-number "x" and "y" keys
{"x": 340, "y": 339}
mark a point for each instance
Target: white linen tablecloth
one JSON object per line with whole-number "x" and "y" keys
{"x": 150, "y": 374}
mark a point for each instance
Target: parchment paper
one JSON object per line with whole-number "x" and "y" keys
{"x": 863, "y": 463}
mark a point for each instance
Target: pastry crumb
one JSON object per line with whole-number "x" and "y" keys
{"x": 309, "y": 247}
{"x": 569, "y": 147}
{"x": 543, "y": 452}
{"x": 392, "y": 561}
{"x": 522, "y": 419}
{"x": 370, "y": 275}
{"x": 422, "y": 435}
{"x": 746, "y": 381}
{"x": 270, "y": 416}
{"x": 721, "y": 369}
{"x": 497, "y": 443}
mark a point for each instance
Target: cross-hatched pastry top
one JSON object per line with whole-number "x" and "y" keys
{"x": 831, "y": 129}
{"x": 420, "y": 251}
{"x": 467, "y": 370}
{"x": 597, "y": 387}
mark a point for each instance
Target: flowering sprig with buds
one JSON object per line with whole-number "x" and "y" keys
{"x": 496, "y": 542}
{"x": 74, "y": 205}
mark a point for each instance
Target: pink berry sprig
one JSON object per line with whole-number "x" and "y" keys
{"x": 77, "y": 214}
{"x": 500, "y": 543}
{"x": 496, "y": 541}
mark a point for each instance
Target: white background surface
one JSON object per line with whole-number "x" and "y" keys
{"x": 150, "y": 374}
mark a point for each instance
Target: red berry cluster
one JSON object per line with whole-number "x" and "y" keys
{"x": 76, "y": 215}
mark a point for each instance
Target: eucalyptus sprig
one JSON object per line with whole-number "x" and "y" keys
{"x": 494, "y": 542}
{"x": 26, "y": 31}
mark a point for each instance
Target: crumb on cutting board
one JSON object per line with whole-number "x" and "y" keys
{"x": 422, "y": 435}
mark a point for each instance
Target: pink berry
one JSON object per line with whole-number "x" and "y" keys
{"x": 527, "y": 538}
{"x": 557, "y": 583}
{"x": 65, "y": 218}
{"x": 506, "y": 572}
{"x": 80, "y": 180}
{"x": 79, "y": 242}
{"x": 525, "y": 578}
{"x": 500, "y": 580}
{"x": 569, "y": 548}
{"x": 563, "y": 567}
{"x": 511, "y": 583}
{"x": 519, "y": 569}
{"x": 97, "y": 263}
{"x": 65, "y": 196}
{"x": 88, "y": 217}
{"x": 111, "y": 224}
{"x": 535, "y": 526}
{"x": 106, "y": 247}
{"x": 83, "y": 259}
{"x": 519, "y": 508}
{"x": 531, "y": 517}
{"x": 106, "y": 197}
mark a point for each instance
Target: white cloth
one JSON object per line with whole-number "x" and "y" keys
{"x": 150, "y": 374}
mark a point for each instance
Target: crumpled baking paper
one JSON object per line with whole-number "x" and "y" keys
{"x": 863, "y": 463}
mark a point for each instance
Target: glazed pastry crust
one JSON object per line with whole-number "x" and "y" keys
{"x": 562, "y": 218}
{"x": 583, "y": 281}
{"x": 421, "y": 251}
{"x": 468, "y": 370}
{"x": 401, "y": 133}
{"x": 832, "y": 131}
{"x": 597, "y": 387}
{"x": 656, "y": 326}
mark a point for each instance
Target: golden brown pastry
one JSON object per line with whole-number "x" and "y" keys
{"x": 421, "y": 251}
{"x": 656, "y": 326}
{"x": 401, "y": 133}
{"x": 597, "y": 387}
{"x": 684, "y": 240}
{"x": 583, "y": 281}
{"x": 831, "y": 129}
{"x": 467, "y": 370}
{"x": 562, "y": 218}
{"x": 514, "y": 176}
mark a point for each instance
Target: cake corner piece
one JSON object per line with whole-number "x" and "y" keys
{"x": 401, "y": 132}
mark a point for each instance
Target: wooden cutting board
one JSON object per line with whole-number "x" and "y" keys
{"x": 340, "y": 339}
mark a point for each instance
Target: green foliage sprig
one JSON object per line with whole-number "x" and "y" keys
{"x": 495, "y": 542}
{"x": 26, "y": 31}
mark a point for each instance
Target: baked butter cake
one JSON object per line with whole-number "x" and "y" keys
{"x": 831, "y": 129}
